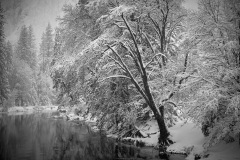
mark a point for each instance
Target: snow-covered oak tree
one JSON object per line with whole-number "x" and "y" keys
{"x": 115, "y": 55}
{"x": 136, "y": 43}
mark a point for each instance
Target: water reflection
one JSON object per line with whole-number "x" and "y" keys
{"x": 38, "y": 137}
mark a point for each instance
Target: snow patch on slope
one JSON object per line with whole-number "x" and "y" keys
{"x": 186, "y": 135}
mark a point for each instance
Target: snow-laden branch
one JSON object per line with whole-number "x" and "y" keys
{"x": 138, "y": 54}
{"x": 139, "y": 88}
{"x": 121, "y": 27}
{"x": 171, "y": 103}
{"x": 150, "y": 44}
{"x": 205, "y": 80}
{"x": 159, "y": 54}
{"x": 156, "y": 26}
{"x": 117, "y": 62}
{"x": 133, "y": 56}
{"x": 115, "y": 76}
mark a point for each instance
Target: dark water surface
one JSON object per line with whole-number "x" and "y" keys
{"x": 39, "y": 137}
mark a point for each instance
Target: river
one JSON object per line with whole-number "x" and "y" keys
{"x": 40, "y": 137}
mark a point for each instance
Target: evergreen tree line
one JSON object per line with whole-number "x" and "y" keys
{"x": 25, "y": 77}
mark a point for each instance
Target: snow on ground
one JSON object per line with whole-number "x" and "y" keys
{"x": 187, "y": 136}
{"x": 151, "y": 129}
{"x": 49, "y": 108}
{"x": 72, "y": 117}
{"x": 16, "y": 110}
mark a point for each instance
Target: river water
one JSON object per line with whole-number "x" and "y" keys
{"x": 39, "y": 137}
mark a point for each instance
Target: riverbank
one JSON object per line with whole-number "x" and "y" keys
{"x": 150, "y": 131}
{"x": 28, "y": 109}
{"x": 187, "y": 137}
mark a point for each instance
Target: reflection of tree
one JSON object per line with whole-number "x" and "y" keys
{"x": 78, "y": 142}
{"x": 42, "y": 138}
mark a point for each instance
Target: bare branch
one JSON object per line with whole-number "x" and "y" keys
{"x": 162, "y": 13}
{"x": 166, "y": 16}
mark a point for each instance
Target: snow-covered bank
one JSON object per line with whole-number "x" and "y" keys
{"x": 187, "y": 137}
{"x": 71, "y": 115}
{"x": 17, "y": 110}
{"x": 184, "y": 135}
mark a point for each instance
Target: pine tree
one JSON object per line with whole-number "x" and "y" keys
{"x": 44, "y": 82}
{"x": 57, "y": 47}
{"x": 49, "y": 40}
{"x": 32, "y": 48}
{"x": 46, "y": 48}
{"x": 4, "y": 86}
{"x": 25, "y": 69}
{"x": 42, "y": 56}
{"x": 23, "y": 45}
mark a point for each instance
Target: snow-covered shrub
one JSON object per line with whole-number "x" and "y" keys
{"x": 225, "y": 122}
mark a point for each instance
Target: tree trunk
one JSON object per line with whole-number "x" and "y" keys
{"x": 163, "y": 138}
{"x": 239, "y": 138}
